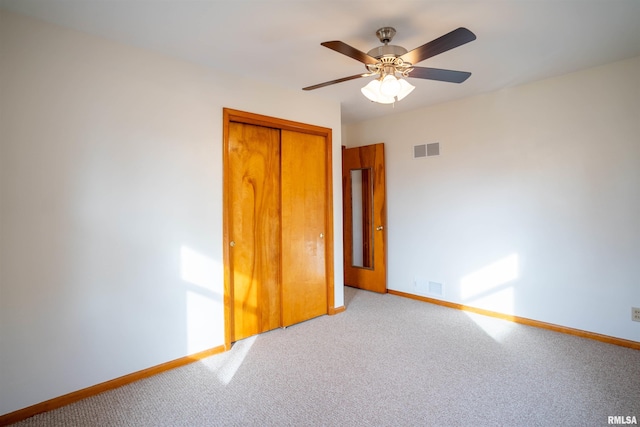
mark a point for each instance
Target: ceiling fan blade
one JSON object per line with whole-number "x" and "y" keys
{"x": 332, "y": 82}
{"x": 435, "y": 47}
{"x": 450, "y": 76}
{"x": 351, "y": 52}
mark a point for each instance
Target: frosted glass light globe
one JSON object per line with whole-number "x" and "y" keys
{"x": 405, "y": 89}
{"x": 372, "y": 90}
{"x": 390, "y": 86}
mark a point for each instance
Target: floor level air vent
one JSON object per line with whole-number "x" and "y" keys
{"x": 435, "y": 289}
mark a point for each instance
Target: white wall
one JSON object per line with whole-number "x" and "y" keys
{"x": 111, "y": 206}
{"x": 533, "y": 206}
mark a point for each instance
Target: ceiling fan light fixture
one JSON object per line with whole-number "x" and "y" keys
{"x": 405, "y": 89}
{"x": 372, "y": 92}
{"x": 389, "y": 86}
{"x": 385, "y": 100}
{"x": 395, "y": 90}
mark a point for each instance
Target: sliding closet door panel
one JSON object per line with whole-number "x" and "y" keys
{"x": 304, "y": 193}
{"x": 254, "y": 173}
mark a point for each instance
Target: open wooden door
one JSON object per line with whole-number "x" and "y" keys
{"x": 365, "y": 217}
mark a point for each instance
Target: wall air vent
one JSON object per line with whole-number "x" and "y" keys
{"x": 426, "y": 150}
{"x": 433, "y": 149}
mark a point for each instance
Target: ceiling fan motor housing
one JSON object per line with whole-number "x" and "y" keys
{"x": 385, "y": 35}
{"x": 387, "y": 50}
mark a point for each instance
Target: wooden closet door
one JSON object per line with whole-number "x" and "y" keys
{"x": 304, "y": 200}
{"x": 254, "y": 224}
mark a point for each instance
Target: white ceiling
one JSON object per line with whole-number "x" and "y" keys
{"x": 278, "y": 41}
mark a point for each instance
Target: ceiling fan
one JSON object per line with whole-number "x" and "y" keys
{"x": 388, "y": 60}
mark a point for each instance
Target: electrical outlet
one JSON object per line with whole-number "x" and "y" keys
{"x": 635, "y": 314}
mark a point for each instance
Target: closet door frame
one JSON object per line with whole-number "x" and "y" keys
{"x": 231, "y": 115}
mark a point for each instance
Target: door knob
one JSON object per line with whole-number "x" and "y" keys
{"x": 322, "y": 235}
{"x": 232, "y": 243}
{"x": 379, "y": 228}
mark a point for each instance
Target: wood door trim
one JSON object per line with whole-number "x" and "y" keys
{"x": 273, "y": 122}
{"x": 231, "y": 115}
{"x": 336, "y": 310}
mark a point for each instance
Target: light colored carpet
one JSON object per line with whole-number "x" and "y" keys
{"x": 386, "y": 361}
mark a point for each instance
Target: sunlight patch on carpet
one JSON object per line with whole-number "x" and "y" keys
{"x": 497, "y": 329}
{"x": 237, "y": 355}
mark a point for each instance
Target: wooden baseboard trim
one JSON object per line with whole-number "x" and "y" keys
{"x": 58, "y": 402}
{"x": 336, "y": 310}
{"x": 523, "y": 320}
